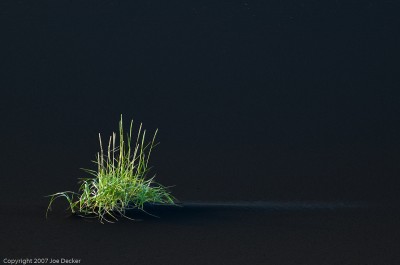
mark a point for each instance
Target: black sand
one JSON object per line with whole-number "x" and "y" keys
{"x": 211, "y": 233}
{"x": 270, "y": 101}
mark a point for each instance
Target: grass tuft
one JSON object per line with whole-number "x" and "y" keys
{"x": 120, "y": 182}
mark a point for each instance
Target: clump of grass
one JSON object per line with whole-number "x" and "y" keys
{"x": 120, "y": 182}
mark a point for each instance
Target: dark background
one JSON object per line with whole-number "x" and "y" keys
{"x": 254, "y": 100}
{"x": 266, "y": 101}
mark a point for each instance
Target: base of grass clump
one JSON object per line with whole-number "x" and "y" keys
{"x": 149, "y": 211}
{"x": 120, "y": 182}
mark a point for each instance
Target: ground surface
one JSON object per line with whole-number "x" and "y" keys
{"x": 255, "y": 100}
{"x": 202, "y": 233}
